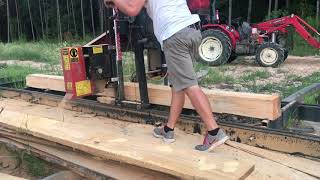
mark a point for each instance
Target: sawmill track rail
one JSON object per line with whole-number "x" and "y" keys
{"x": 248, "y": 132}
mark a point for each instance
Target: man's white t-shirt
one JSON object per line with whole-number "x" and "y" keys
{"x": 169, "y": 17}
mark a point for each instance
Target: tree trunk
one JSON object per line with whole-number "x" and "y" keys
{"x": 230, "y": 12}
{"x": 276, "y": 4}
{"x": 317, "y": 15}
{"x": 59, "y": 22}
{"x": 92, "y": 19}
{"x": 269, "y": 9}
{"x": 101, "y": 12}
{"x": 41, "y": 19}
{"x": 31, "y": 22}
{"x": 18, "y": 19}
{"x": 82, "y": 18}
{"x": 8, "y": 20}
{"x": 287, "y": 4}
{"x": 74, "y": 18}
{"x": 68, "y": 11}
{"x": 45, "y": 12}
{"x": 249, "y": 11}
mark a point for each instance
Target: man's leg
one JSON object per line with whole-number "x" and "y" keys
{"x": 177, "y": 102}
{"x": 201, "y": 103}
{"x": 166, "y": 132}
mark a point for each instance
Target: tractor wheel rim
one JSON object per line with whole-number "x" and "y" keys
{"x": 210, "y": 49}
{"x": 269, "y": 56}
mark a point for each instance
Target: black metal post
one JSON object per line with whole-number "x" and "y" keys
{"x": 120, "y": 88}
{"x": 141, "y": 75}
{"x": 212, "y": 11}
{"x": 230, "y": 12}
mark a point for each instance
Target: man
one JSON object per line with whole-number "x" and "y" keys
{"x": 175, "y": 29}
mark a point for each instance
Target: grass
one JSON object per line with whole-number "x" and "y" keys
{"x": 253, "y": 76}
{"x": 15, "y": 73}
{"x": 128, "y": 65}
{"x": 302, "y": 48}
{"x": 292, "y": 120}
{"x": 33, "y": 166}
{"x": 312, "y": 99}
{"x": 215, "y": 75}
{"x": 36, "y": 167}
{"x": 286, "y": 88}
{"x": 41, "y": 51}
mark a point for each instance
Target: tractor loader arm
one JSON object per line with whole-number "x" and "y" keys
{"x": 299, "y": 24}
{"x": 301, "y": 27}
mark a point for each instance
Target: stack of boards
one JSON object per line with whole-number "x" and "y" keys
{"x": 102, "y": 148}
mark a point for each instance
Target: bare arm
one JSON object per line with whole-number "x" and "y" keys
{"x": 129, "y": 7}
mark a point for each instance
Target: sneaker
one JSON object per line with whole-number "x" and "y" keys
{"x": 168, "y": 137}
{"x": 211, "y": 142}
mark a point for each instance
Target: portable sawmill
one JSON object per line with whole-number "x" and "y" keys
{"x": 93, "y": 67}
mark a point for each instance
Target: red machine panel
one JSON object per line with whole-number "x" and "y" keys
{"x": 75, "y": 79}
{"x": 198, "y": 4}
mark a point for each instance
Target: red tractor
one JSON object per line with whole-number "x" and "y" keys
{"x": 222, "y": 42}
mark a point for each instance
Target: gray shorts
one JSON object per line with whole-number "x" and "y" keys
{"x": 180, "y": 50}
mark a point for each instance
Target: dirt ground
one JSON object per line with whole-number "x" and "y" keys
{"x": 299, "y": 66}
{"x": 294, "y": 65}
{"x": 12, "y": 163}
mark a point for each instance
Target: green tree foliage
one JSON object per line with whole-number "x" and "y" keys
{"x": 47, "y": 11}
{"x": 48, "y": 14}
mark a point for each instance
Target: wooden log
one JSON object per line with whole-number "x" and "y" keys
{"x": 131, "y": 145}
{"x": 260, "y": 106}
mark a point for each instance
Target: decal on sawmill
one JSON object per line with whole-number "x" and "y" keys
{"x": 74, "y": 57}
{"x": 83, "y": 88}
{"x": 66, "y": 60}
{"x": 97, "y": 50}
{"x": 69, "y": 86}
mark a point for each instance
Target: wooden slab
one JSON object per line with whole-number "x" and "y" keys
{"x": 273, "y": 165}
{"x": 9, "y": 177}
{"x": 131, "y": 144}
{"x": 294, "y": 162}
{"x": 238, "y": 103}
{"x": 88, "y": 166}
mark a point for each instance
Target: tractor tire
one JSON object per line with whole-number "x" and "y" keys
{"x": 286, "y": 54}
{"x": 270, "y": 55}
{"x": 232, "y": 57}
{"x": 215, "y": 48}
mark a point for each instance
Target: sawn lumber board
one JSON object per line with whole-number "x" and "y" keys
{"x": 260, "y": 106}
{"x": 131, "y": 145}
{"x": 87, "y": 166}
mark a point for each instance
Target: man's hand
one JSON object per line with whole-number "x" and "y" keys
{"x": 109, "y": 3}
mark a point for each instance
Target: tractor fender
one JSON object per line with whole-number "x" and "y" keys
{"x": 231, "y": 32}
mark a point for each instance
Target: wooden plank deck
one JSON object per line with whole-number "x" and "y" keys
{"x": 267, "y": 164}
{"x": 130, "y": 143}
